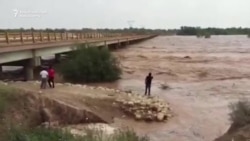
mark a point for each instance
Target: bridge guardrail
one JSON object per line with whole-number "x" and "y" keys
{"x": 41, "y": 36}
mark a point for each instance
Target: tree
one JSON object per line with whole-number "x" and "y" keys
{"x": 90, "y": 65}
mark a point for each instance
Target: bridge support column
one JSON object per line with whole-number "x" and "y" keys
{"x": 28, "y": 69}
{"x": 36, "y": 61}
{"x": 127, "y": 42}
{"x": 1, "y": 71}
{"x": 1, "y": 68}
{"x": 29, "y": 66}
{"x": 118, "y": 45}
{"x": 57, "y": 58}
{"x": 106, "y": 45}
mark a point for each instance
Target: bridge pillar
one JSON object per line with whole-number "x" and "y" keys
{"x": 29, "y": 66}
{"x": 127, "y": 42}
{"x": 36, "y": 61}
{"x": 28, "y": 69}
{"x": 118, "y": 44}
{"x": 1, "y": 71}
{"x": 57, "y": 58}
{"x": 105, "y": 44}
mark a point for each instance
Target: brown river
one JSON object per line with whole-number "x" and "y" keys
{"x": 204, "y": 75}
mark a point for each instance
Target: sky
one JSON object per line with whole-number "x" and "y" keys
{"x": 154, "y": 14}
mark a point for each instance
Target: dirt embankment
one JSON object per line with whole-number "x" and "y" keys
{"x": 72, "y": 105}
{"x": 34, "y": 108}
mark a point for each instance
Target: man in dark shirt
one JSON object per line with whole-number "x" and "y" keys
{"x": 148, "y": 81}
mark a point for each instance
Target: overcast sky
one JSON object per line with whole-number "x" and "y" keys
{"x": 163, "y": 14}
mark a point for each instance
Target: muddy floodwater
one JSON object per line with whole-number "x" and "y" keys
{"x": 204, "y": 76}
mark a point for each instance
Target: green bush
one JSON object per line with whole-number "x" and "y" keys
{"x": 240, "y": 114}
{"x": 90, "y": 65}
{"x": 248, "y": 35}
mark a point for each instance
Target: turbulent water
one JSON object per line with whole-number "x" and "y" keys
{"x": 204, "y": 76}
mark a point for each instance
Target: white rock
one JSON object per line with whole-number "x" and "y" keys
{"x": 67, "y": 84}
{"x": 160, "y": 116}
{"x": 138, "y": 116}
{"x": 59, "y": 84}
{"x": 131, "y": 103}
{"x": 78, "y": 85}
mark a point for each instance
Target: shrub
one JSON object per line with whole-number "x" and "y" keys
{"x": 248, "y": 35}
{"x": 240, "y": 114}
{"x": 39, "y": 134}
{"x": 90, "y": 65}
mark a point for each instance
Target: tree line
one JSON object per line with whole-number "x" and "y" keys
{"x": 106, "y": 30}
{"x": 184, "y": 30}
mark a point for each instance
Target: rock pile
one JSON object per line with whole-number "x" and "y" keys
{"x": 144, "y": 108}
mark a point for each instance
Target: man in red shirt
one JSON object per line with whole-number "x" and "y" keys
{"x": 51, "y": 72}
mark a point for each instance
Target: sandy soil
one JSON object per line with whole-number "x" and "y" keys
{"x": 98, "y": 102}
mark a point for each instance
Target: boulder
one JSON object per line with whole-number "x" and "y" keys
{"x": 143, "y": 108}
{"x": 130, "y": 103}
{"x": 59, "y": 84}
{"x": 78, "y": 85}
{"x": 149, "y": 118}
{"x": 138, "y": 116}
{"x": 161, "y": 116}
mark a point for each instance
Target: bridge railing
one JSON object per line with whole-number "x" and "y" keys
{"x": 42, "y": 36}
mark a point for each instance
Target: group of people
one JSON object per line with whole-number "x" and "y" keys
{"x": 47, "y": 76}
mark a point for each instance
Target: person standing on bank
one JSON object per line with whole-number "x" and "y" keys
{"x": 148, "y": 81}
{"x": 51, "y": 72}
{"x": 44, "y": 77}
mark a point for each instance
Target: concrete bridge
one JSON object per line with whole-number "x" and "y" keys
{"x": 26, "y": 49}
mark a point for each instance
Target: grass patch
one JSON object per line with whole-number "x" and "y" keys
{"x": 41, "y": 134}
{"x": 91, "y": 64}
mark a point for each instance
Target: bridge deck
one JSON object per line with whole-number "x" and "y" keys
{"x": 28, "y": 46}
